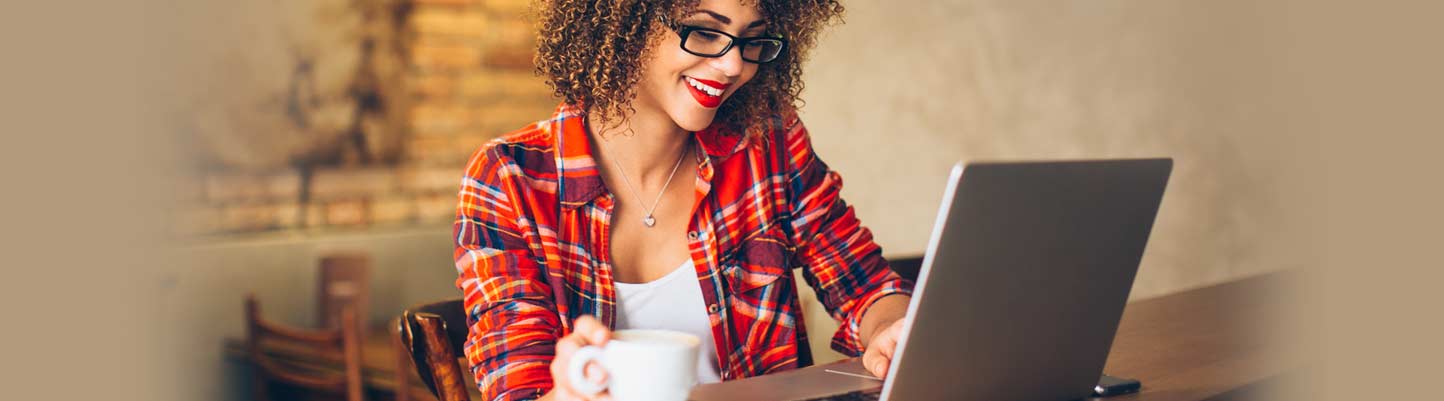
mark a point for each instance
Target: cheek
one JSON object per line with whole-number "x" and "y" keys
{"x": 665, "y": 70}
{"x": 659, "y": 78}
{"x": 748, "y": 73}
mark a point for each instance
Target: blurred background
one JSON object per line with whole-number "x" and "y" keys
{"x": 283, "y": 133}
{"x": 326, "y": 126}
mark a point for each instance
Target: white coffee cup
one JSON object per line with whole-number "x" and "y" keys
{"x": 641, "y": 365}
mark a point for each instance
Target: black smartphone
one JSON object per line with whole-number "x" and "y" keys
{"x": 1109, "y": 385}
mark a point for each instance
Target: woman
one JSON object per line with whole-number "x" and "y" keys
{"x": 674, "y": 188}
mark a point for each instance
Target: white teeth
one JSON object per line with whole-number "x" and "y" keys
{"x": 703, "y": 87}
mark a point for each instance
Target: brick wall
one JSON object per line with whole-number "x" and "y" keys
{"x": 467, "y": 78}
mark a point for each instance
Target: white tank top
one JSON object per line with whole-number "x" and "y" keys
{"x": 673, "y": 302}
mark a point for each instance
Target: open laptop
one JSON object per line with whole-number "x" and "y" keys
{"x": 1019, "y": 294}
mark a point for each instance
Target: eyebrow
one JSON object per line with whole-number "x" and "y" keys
{"x": 723, "y": 19}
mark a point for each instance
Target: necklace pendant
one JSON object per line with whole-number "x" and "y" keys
{"x": 649, "y": 221}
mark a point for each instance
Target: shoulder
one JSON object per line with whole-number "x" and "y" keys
{"x": 792, "y": 133}
{"x": 526, "y": 152}
{"x": 784, "y": 139}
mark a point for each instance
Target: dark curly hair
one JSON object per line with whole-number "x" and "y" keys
{"x": 591, "y": 51}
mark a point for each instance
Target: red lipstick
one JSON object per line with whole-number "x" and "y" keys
{"x": 702, "y": 96}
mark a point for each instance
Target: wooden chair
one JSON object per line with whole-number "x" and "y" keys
{"x": 343, "y": 339}
{"x": 433, "y": 334}
{"x": 345, "y": 279}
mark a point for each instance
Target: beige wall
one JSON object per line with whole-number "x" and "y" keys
{"x": 904, "y": 89}
{"x": 896, "y": 95}
{"x": 100, "y": 312}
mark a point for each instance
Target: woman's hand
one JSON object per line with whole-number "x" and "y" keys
{"x": 586, "y": 331}
{"x": 881, "y": 327}
{"x": 878, "y": 355}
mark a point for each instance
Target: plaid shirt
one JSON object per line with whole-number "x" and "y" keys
{"x": 532, "y": 232}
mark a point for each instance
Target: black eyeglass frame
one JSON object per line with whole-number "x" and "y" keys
{"x": 684, "y": 30}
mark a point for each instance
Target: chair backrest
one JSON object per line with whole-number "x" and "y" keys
{"x": 342, "y": 339}
{"x": 345, "y": 279}
{"x": 433, "y": 335}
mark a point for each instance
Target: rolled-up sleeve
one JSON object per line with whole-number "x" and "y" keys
{"x": 843, "y": 264}
{"x": 513, "y": 326}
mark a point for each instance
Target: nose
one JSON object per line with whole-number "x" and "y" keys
{"x": 730, "y": 64}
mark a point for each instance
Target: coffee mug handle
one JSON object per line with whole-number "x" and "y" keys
{"x": 576, "y": 371}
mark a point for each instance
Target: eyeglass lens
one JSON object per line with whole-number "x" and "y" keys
{"x": 711, "y": 43}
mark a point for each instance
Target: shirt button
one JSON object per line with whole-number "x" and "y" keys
{"x": 693, "y": 235}
{"x": 713, "y": 308}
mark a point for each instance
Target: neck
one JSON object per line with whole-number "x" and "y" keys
{"x": 645, "y": 145}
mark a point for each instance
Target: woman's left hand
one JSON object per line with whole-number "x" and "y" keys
{"x": 878, "y": 355}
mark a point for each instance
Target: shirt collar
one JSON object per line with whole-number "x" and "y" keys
{"x": 579, "y": 179}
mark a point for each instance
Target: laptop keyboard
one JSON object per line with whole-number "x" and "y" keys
{"x": 853, "y": 396}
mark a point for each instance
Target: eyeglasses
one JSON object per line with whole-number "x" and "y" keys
{"x": 707, "y": 42}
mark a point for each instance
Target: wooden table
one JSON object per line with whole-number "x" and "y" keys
{"x": 1213, "y": 343}
{"x": 1209, "y": 343}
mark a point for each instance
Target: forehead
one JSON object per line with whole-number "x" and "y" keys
{"x": 734, "y": 10}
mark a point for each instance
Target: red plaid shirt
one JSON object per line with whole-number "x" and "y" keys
{"x": 532, "y": 232}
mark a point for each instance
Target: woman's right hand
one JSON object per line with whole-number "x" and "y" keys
{"x": 586, "y": 331}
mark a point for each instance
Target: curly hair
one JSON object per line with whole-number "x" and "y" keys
{"x": 591, "y": 52}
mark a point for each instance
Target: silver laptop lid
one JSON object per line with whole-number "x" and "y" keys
{"x": 1025, "y": 278}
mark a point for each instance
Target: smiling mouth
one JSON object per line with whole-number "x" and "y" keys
{"x": 707, "y": 93}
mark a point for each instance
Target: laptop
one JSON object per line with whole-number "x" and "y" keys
{"x": 1019, "y": 294}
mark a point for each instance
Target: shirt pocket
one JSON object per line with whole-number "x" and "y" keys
{"x": 758, "y": 261}
{"x": 762, "y": 302}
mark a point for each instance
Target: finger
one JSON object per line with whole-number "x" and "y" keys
{"x": 887, "y": 345}
{"x": 878, "y": 367}
{"x": 566, "y": 346}
{"x": 569, "y": 344}
{"x": 600, "y": 336}
{"x": 885, "y": 352}
{"x": 592, "y": 330}
{"x": 585, "y": 324}
{"x": 872, "y": 360}
{"x": 889, "y": 339}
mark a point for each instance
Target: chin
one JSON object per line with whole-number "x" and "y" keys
{"x": 694, "y": 120}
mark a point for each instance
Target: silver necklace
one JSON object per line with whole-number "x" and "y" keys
{"x": 649, "y": 220}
